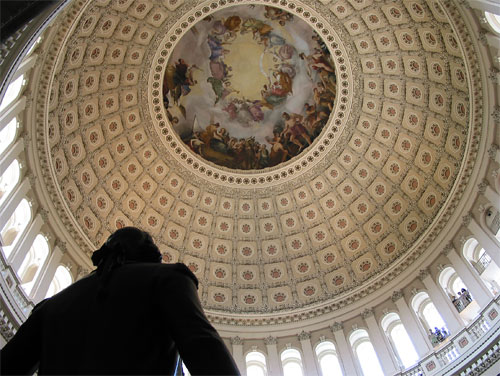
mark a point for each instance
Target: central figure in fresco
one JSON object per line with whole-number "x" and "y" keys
{"x": 249, "y": 87}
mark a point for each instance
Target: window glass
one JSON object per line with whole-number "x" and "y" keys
{"x": 12, "y": 92}
{"x": 432, "y": 316}
{"x": 32, "y": 264}
{"x": 493, "y": 20}
{"x": 404, "y": 346}
{"x": 368, "y": 359}
{"x": 8, "y": 134}
{"x": 9, "y": 180}
{"x": 14, "y": 227}
{"x": 292, "y": 363}
{"x": 62, "y": 279}
{"x": 327, "y": 358}
{"x": 256, "y": 364}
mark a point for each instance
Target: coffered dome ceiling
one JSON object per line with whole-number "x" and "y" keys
{"x": 316, "y": 208}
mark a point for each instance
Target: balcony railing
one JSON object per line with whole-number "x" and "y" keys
{"x": 475, "y": 347}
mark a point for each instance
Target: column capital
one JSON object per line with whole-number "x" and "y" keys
{"x": 270, "y": 340}
{"x": 44, "y": 214}
{"x": 236, "y": 341}
{"x": 424, "y": 273}
{"x": 61, "y": 245}
{"x": 368, "y": 312}
{"x": 466, "y": 219}
{"x": 492, "y": 150}
{"x": 482, "y": 186}
{"x": 396, "y": 295}
{"x": 304, "y": 335}
{"x": 81, "y": 271}
{"x": 336, "y": 326}
{"x": 449, "y": 247}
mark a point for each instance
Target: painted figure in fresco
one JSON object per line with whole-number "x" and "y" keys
{"x": 177, "y": 82}
{"x": 278, "y": 153}
{"x": 294, "y": 129}
{"x": 221, "y": 88}
{"x": 259, "y": 29}
{"x": 222, "y": 141}
{"x": 279, "y": 15}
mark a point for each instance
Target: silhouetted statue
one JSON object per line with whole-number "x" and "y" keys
{"x": 132, "y": 315}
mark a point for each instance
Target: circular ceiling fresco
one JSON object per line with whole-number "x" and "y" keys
{"x": 249, "y": 87}
{"x": 291, "y": 154}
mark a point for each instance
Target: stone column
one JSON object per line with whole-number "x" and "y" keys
{"x": 421, "y": 344}
{"x": 487, "y": 242}
{"x": 442, "y": 303}
{"x": 344, "y": 350}
{"x": 46, "y": 275}
{"x": 237, "y": 344}
{"x": 12, "y": 153}
{"x": 479, "y": 292}
{"x": 387, "y": 361}
{"x": 274, "y": 365}
{"x": 24, "y": 244}
{"x": 309, "y": 355}
{"x": 9, "y": 206}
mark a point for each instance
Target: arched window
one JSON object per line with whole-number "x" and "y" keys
{"x": 12, "y": 230}
{"x": 12, "y": 92}
{"x": 9, "y": 180}
{"x": 256, "y": 364}
{"x": 62, "y": 279}
{"x": 8, "y": 134}
{"x": 481, "y": 261}
{"x": 365, "y": 353}
{"x": 430, "y": 318}
{"x": 399, "y": 338}
{"x": 493, "y": 21}
{"x": 33, "y": 262}
{"x": 328, "y": 359}
{"x": 292, "y": 363}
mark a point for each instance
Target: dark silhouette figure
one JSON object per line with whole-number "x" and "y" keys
{"x": 132, "y": 315}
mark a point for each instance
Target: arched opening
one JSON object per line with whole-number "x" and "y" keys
{"x": 399, "y": 339}
{"x": 9, "y": 180}
{"x": 328, "y": 359}
{"x": 365, "y": 353}
{"x": 8, "y": 134}
{"x": 10, "y": 233}
{"x": 493, "y": 21}
{"x": 256, "y": 364}
{"x": 12, "y": 92}
{"x": 430, "y": 318}
{"x": 291, "y": 361}
{"x": 33, "y": 262}
{"x": 458, "y": 293}
{"x": 481, "y": 261}
{"x": 62, "y": 279}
